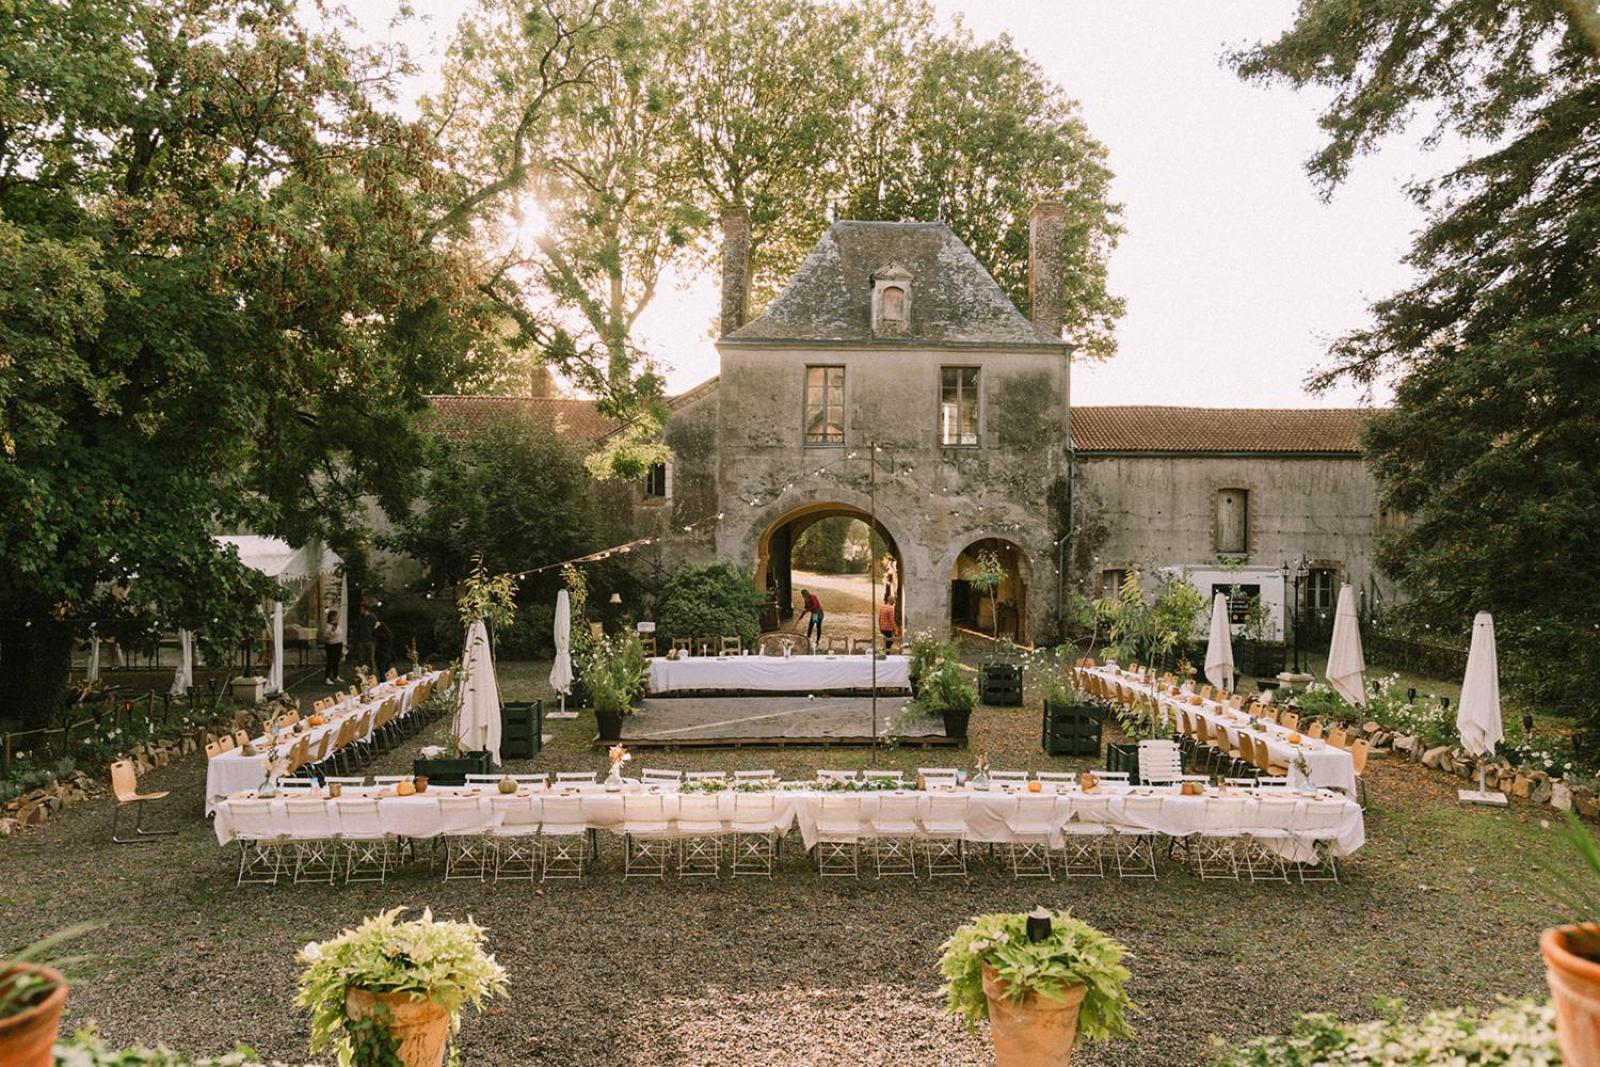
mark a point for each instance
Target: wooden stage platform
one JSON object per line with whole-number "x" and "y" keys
{"x": 776, "y": 722}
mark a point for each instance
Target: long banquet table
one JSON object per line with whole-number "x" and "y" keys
{"x": 418, "y": 816}
{"x": 233, "y": 771}
{"x": 1331, "y": 767}
{"x": 777, "y": 674}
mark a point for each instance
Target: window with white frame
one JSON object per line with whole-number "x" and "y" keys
{"x": 658, "y": 482}
{"x": 1322, "y": 589}
{"x": 1111, "y": 581}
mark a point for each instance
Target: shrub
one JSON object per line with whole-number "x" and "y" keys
{"x": 613, "y": 671}
{"x": 86, "y": 1049}
{"x": 710, "y": 600}
{"x": 1516, "y": 1035}
{"x": 945, "y": 688}
{"x": 530, "y": 636}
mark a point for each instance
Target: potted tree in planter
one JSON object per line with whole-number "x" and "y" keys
{"x": 944, "y": 691}
{"x": 1572, "y": 963}
{"x": 614, "y": 670}
{"x": 392, "y": 991}
{"x": 1072, "y": 722}
{"x": 33, "y": 993}
{"x": 1042, "y": 980}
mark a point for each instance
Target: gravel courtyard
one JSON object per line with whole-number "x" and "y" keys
{"x": 1442, "y": 907}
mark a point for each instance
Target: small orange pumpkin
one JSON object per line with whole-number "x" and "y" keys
{"x": 1034, "y": 786}
{"x": 404, "y": 789}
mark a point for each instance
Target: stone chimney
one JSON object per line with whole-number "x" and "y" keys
{"x": 540, "y": 382}
{"x": 735, "y": 267}
{"x": 1046, "y": 249}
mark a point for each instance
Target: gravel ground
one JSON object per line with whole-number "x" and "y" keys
{"x": 1443, "y": 906}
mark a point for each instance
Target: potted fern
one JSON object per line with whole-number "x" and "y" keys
{"x": 33, "y": 993}
{"x": 944, "y": 691}
{"x": 392, "y": 991}
{"x": 613, "y": 670}
{"x": 1572, "y": 959}
{"x": 1042, "y": 980}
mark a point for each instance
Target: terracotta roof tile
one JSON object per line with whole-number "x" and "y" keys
{"x": 576, "y": 416}
{"x": 1176, "y": 429}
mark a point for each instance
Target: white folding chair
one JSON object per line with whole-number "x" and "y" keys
{"x": 313, "y": 825}
{"x": 884, "y": 776}
{"x": 1268, "y": 834}
{"x": 659, "y": 775}
{"x": 260, "y": 838}
{"x": 463, "y": 829}
{"x": 939, "y": 783}
{"x": 1213, "y": 851}
{"x": 836, "y": 776}
{"x": 755, "y": 833}
{"x": 1083, "y": 837}
{"x": 706, "y": 776}
{"x": 839, "y": 836}
{"x": 936, "y": 772}
{"x": 1133, "y": 835}
{"x": 698, "y": 828}
{"x": 563, "y": 838}
{"x": 349, "y": 781}
{"x": 944, "y": 836}
{"x": 646, "y": 836}
{"x": 513, "y": 836}
{"x": 1160, "y": 762}
{"x": 1030, "y": 827}
{"x": 1317, "y": 825}
{"x": 894, "y": 835}
{"x": 1008, "y": 777}
{"x": 755, "y": 776}
{"x": 484, "y": 779}
{"x": 1112, "y": 777}
{"x": 1057, "y": 776}
{"x": 368, "y": 848}
{"x": 390, "y": 779}
{"x": 575, "y": 778}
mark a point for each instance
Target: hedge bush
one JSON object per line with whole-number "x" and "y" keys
{"x": 709, "y": 600}
{"x": 1516, "y": 1035}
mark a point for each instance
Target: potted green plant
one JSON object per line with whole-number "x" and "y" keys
{"x": 614, "y": 671}
{"x": 946, "y": 692}
{"x": 392, "y": 991}
{"x": 1572, "y": 960}
{"x": 1042, "y": 980}
{"x": 33, "y": 993}
{"x": 926, "y": 652}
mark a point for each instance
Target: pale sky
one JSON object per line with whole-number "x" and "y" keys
{"x": 1236, "y": 275}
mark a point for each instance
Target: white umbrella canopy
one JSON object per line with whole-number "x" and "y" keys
{"x": 1346, "y": 666}
{"x": 477, "y": 722}
{"x": 561, "y": 672}
{"x": 1478, "y": 713}
{"x": 1219, "y": 647}
{"x": 275, "y": 671}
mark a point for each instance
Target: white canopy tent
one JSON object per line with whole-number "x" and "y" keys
{"x": 477, "y": 725}
{"x": 1219, "y": 645}
{"x": 294, "y": 568}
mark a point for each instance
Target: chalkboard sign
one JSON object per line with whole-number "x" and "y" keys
{"x": 1240, "y": 598}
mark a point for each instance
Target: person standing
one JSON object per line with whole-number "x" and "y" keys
{"x": 361, "y": 651}
{"x": 814, "y": 606}
{"x": 333, "y": 645}
{"x": 383, "y": 648}
{"x": 886, "y": 621}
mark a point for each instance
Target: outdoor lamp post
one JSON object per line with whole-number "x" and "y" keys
{"x": 1302, "y": 571}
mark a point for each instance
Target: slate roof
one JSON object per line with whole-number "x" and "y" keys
{"x": 1302, "y": 431}
{"x": 953, "y": 299}
{"x": 463, "y": 414}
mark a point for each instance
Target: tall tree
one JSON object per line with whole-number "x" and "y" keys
{"x": 215, "y": 309}
{"x": 1490, "y": 445}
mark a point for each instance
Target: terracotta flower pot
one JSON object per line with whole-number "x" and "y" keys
{"x": 28, "y": 1038}
{"x": 420, "y": 1027}
{"x": 1574, "y": 982}
{"x": 1037, "y": 1032}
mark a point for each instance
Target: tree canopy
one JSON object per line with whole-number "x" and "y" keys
{"x": 1489, "y": 448}
{"x": 216, "y": 309}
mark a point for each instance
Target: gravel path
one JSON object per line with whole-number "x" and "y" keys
{"x": 1443, "y": 906}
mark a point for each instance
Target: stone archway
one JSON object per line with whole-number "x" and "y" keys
{"x": 974, "y": 611}
{"x": 775, "y": 545}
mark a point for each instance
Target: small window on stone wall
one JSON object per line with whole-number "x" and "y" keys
{"x": 894, "y": 304}
{"x": 1233, "y": 522}
{"x": 658, "y": 482}
{"x": 1111, "y": 583}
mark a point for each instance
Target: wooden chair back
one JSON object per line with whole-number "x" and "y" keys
{"x": 1358, "y": 754}
{"x": 124, "y": 781}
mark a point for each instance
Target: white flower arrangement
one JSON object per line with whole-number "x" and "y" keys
{"x": 1514, "y": 1035}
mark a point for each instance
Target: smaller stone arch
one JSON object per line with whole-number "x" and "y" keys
{"x": 1006, "y": 611}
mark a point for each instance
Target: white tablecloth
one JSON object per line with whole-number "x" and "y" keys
{"x": 1331, "y": 767}
{"x": 233, "y": 771}
{"x": 1178, "y": 816}
{"x": 795, "y": 674}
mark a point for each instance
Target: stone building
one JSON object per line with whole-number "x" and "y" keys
{"x": 893, "y": 381}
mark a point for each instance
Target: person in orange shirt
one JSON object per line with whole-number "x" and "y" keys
{"x": 886, "y": 621}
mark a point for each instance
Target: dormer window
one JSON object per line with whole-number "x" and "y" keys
{"x": 891, "y": 300}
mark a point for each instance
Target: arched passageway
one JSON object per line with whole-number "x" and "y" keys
{"x": 1002, "y": 610}
{"x": 831, "y": 546}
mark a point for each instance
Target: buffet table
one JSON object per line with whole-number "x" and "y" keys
{"x": 777, "y": 674}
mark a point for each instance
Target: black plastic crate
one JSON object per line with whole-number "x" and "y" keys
{"x": 1071, "y": 729}
{"x": 1000, "y": 685}
{"x": 521, "y": 728}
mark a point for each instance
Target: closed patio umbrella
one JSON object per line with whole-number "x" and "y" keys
{"x": 275, "y": 672}
{"x": 1478, "y": 713}
{"x": 477, "y": 725}
{"x": 1346, "y": 666}
{"x": 183, "y": 677}
{"x": 1219, "y": 647}
{"x": 561, "y": 671}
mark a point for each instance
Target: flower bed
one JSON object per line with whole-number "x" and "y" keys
{"x": 85, "y": 1049}
{"x": 1516, "y": 1035}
